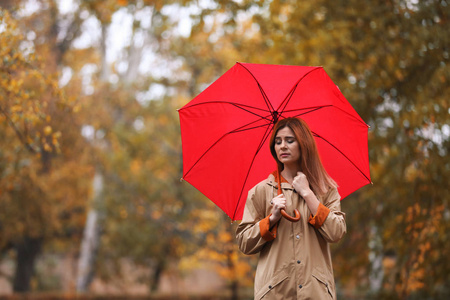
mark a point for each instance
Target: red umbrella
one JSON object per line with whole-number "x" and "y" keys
{"x": 225, "y": 130}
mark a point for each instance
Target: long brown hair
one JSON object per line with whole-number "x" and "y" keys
{"x": 309, "y": 161}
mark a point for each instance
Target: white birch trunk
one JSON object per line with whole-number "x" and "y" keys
{"x": 91, "y": 237}
{"x": 376, "y": 259}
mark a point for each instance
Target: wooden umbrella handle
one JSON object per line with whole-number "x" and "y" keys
{"x": 296, "y": 218}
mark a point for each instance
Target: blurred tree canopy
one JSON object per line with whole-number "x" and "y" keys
{"x": 72, "y": 104}
{"x": 42, "y": 186}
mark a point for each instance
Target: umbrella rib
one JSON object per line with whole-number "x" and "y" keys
{"x": 224, "y": 102}
{"x": 263, "y": 140}
{"x": 288, "y": 97}
{"x": 266, "y": 99}
{"x": 250, "y": 128}
{"x": 325, "y": 106}
{"x": 316, "y": 135}
{"x": 262, "y": 117}
{"x": 310, "y": 110}
{"x": 221, "y": 138}
{"x": 240, "y": 106}
{"x": 291, "y": 92}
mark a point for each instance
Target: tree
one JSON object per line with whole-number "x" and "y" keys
{"x": 116, "y": 118}
{"x": 40, "y": 186}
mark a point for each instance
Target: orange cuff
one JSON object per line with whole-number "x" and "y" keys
{"x": 320, "y": 217}
{"x": 264, "y": 228}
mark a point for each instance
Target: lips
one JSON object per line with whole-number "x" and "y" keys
{"x": 284, "y": 154}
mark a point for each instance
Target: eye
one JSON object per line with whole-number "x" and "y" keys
{"x": 290, "y": 141}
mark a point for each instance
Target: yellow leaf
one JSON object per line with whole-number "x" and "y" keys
{"x": 48, "y": 130}
{"x": 16, "y": 108}
{"x": 123, "y": 213}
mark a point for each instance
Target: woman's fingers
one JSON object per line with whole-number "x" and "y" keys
{"x": 278, "y": 199}
{"x": 279, "y": 202}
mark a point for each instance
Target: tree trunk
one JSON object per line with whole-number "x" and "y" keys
{"x": 105, "y": 71}
{"x": 234, "y": 284}
{"x": 234, "y": 289}
{"x": 90, "y": 243}
{"x": 159, "y": 268}
{"x": 91, "y": 234}
{"x": 27, "y": 251}
{"x": 376, "y": 260}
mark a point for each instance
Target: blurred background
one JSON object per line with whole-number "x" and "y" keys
{"x": 91, "y": 201}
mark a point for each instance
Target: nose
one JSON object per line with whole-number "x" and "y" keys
{"x": 283, "y": 145}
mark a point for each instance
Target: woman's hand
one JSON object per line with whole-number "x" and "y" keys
{"x": 301, "y": 185}
{"x": 278, "y": 203}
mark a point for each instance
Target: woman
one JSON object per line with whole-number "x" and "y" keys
{"x": 295, "y": 260}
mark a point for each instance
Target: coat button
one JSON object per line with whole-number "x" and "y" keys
{"x": 270, "y": 287}
{"x": 300, "y": 286}
{"x": 298, "y": 261}
{"x": 297, "y": 236}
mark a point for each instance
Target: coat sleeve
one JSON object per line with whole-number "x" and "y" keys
{"x": 333, "y": 227}
{"x": 248, "y": 232}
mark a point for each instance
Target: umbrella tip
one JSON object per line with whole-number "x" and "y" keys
{"x": 181, "y": 179}
{"x": 371, "y": 182}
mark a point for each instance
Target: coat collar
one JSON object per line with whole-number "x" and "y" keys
{"x": 273, "y": 181}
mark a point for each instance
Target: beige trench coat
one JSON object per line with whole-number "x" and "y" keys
{"x": 295, "y": 259}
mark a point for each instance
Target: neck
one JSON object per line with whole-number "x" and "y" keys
{"x": 289, "y": 172}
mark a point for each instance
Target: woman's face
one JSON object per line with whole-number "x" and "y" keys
{"x": 287, "y": 147}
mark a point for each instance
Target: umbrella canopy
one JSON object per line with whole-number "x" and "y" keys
{"x": 225, "y": 130}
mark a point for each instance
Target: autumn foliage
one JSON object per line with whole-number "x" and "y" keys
{"x": 74, "y": 105}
